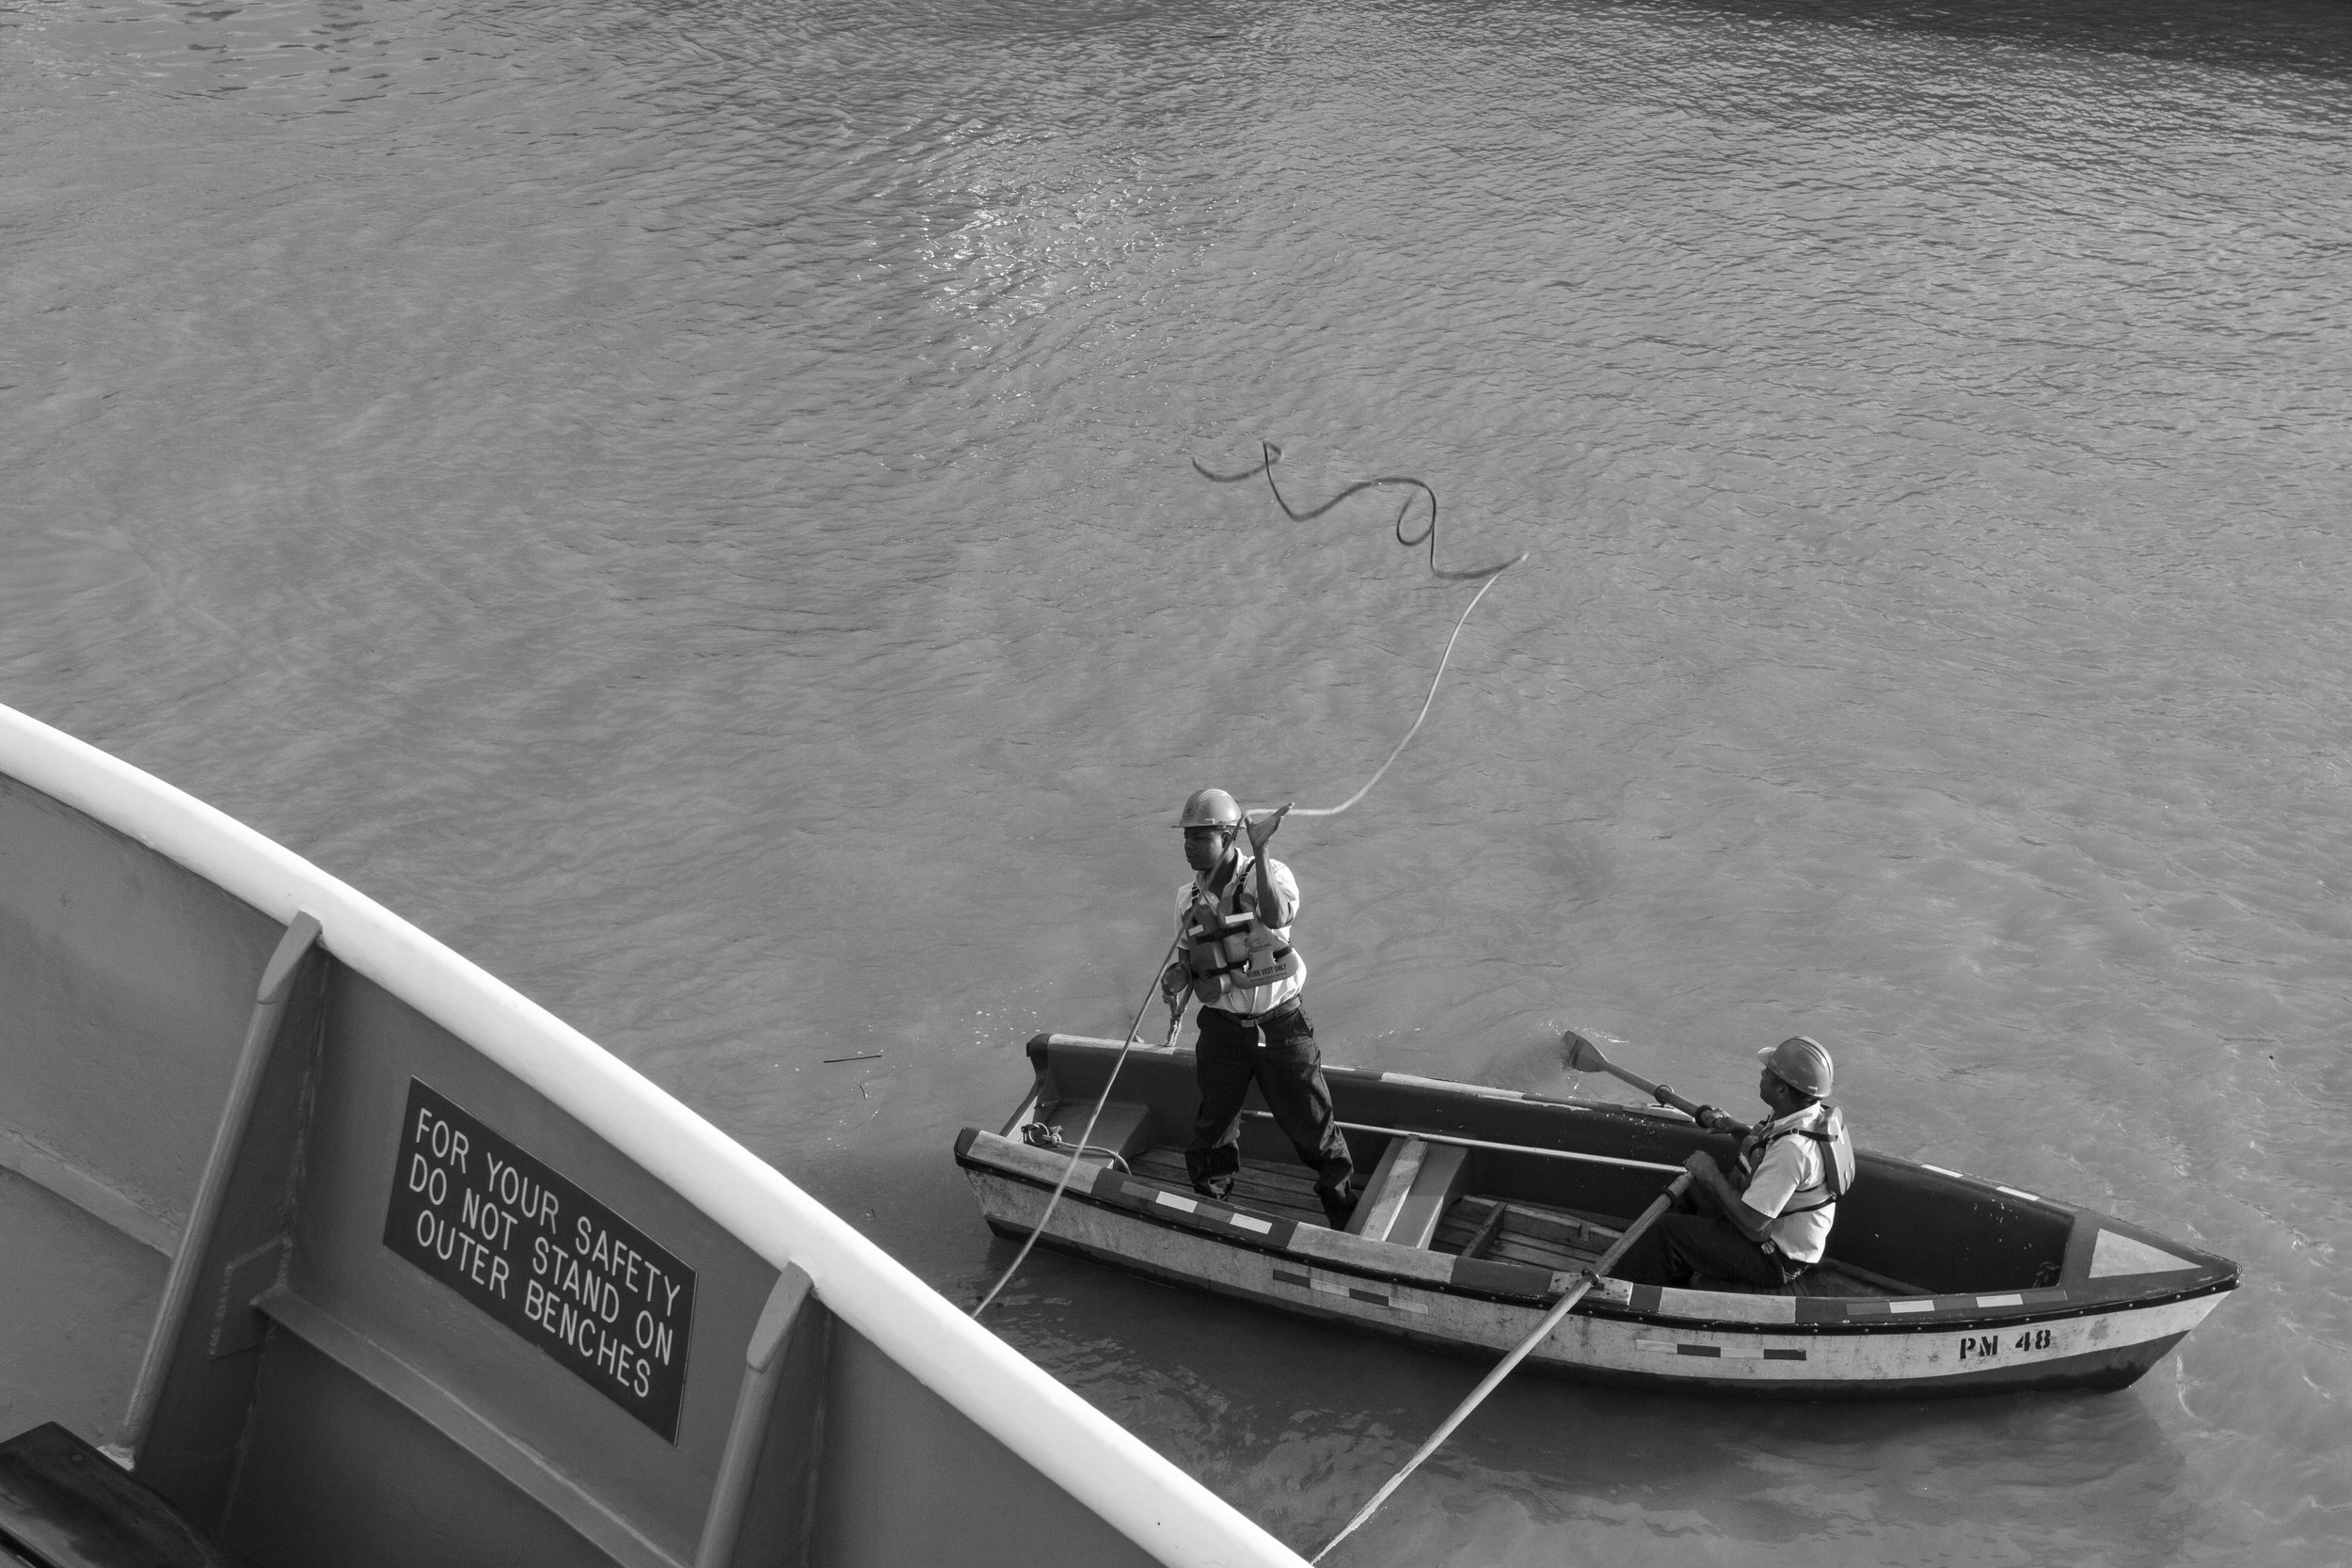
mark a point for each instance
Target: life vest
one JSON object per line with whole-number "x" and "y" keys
{"x": 1224, "y": 946}
{"x": 1834, "y": 1148}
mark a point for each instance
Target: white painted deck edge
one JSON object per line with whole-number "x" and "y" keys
{"x": 1098, "y": 1463}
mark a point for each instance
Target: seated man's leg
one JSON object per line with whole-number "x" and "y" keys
{"x": 1223, "y": 1062}
{"x": 1652, "y": 1261}
{"x": 1290, "y": 1075}
{"x": 1645, "y": 1261}
{"x": 1711, "y": 1245}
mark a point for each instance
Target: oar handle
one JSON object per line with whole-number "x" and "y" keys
{"x": 1665, "y": 1095}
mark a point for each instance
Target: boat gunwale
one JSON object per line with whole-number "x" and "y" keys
{"x": 1594, "y": 1305}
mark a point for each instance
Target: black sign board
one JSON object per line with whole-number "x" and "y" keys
{"x": 543, "y": 1257}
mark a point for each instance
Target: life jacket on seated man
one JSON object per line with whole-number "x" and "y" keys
{"x": 1770, "y": 1221}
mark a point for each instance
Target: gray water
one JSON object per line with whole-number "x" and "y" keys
{"x": 693, "y": 504}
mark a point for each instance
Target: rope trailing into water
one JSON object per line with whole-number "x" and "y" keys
{"x": 1087, "y": 1136}
{"x": 1269, "y": 454}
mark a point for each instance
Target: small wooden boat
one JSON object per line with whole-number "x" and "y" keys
{"x": 1481, "y": 1206}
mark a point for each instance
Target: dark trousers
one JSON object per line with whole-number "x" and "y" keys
{"x": 1680, "y": 1247}
{"x": 1288, "y": 1071}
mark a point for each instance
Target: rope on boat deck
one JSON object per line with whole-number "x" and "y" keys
{"x": 1038, "y": 1135}
{"x": 1087, "y": 1136}
{"x": 1269, "y": 455}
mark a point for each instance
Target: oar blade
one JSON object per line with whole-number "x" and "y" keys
{"x": 1583, "y": 1054}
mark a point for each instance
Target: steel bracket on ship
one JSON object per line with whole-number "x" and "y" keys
{"x": 1466, "y": 1230}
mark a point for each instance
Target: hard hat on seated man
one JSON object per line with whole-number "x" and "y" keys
{"x": 1801, "y": 1063}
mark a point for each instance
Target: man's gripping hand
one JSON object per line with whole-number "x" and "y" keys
{"x": 1262, "y": 826}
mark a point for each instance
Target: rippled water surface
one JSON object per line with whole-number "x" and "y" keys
{"x": 691, "y": 503}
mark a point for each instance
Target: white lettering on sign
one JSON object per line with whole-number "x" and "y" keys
{"x": 596, "y": 1294}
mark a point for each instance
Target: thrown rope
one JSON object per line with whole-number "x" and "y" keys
{"x": 1426, "y": 703}
{"x": 1269, "y": 455}
{"x": 1083, "y": 1138}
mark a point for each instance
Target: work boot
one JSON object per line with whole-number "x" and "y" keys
{"x": 1337, "y": 1207}
{"x": 1214, "y": 1191}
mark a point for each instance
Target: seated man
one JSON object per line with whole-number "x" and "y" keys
{"x": 1774, "y": 1224}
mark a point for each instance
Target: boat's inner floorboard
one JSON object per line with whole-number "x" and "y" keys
{"x": 1271, "y": 1191}
{"x": 1535, "y": 1234}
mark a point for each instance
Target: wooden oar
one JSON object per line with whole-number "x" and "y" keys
{"x": 1584, "y": 1056}
{"x": 1575, "y": 1293}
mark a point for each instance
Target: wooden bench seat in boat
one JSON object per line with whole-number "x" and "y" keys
{"x": 1411, "y": 1189}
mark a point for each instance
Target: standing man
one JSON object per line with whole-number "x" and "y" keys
{"x": 1234, "y": 953}
{"x": 1774, "y": 1224}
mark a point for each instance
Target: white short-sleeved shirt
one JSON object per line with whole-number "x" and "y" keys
{"x": 1792, "y": 1170}
{"x": 1265, "y": 998}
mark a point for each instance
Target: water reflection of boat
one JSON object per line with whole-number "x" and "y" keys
{"x": 1484, "y": 1205}
{"x": 423, "y": 1275}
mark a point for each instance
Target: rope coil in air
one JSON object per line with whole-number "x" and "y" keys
{"x": 1269, "y": 454}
